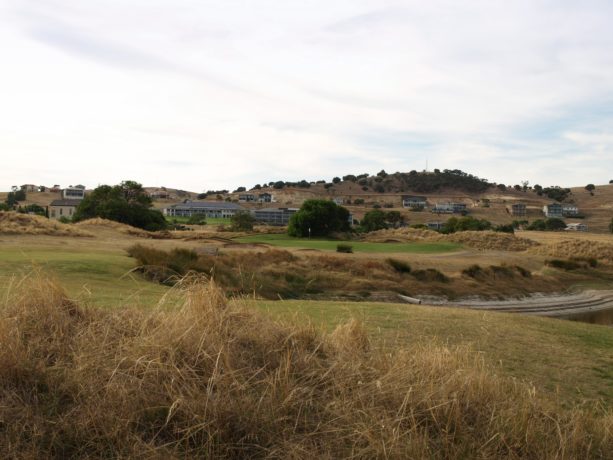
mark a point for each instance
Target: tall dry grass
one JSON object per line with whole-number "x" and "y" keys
{"x": 216, "y": 379}
{"x": 277, "y": 273}
{"x": 486, "y": 240}
{"x": 14, "y": 223}
{"x": 577, "y": 248}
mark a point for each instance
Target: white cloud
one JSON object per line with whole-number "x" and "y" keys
{"x": 220, "y": 94}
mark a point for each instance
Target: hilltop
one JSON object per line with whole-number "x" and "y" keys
{"x": 362, "y": 192}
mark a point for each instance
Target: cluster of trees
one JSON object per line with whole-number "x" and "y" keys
{"x": 378, "y": 220}
{"x": 544, "y": 225}
{"x": 424, "y": 182}
{"x": 319, "y": 218}
{"x": 554, "y": 193}
{"x": 127, "y": 203}
{"x": 462, "y": 224}
{"x": 12, "y": 200}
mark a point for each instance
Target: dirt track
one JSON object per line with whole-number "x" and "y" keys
{"x": 546, "y": 304}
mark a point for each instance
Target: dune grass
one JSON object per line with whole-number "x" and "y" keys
{"x": 218, "y": 379}
{"x": 286, "y": 241}
{"x": 570, "y": 360}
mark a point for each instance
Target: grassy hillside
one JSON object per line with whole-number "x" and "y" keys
{"x": 567, "y": 360}
{"x": 214, "y": 378}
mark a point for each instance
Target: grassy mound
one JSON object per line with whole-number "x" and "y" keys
{"x": 275, "y": 273}
{"x": 493, "y": 241}
{"x": 486, "y": 240}
{"x": 14, "y": 223}
{"x": 216, "y": 379}
{"x": 577, "y": 248}
{"x": 123, "y": 228}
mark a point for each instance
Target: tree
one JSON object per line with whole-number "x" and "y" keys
{"x": 279, "y": 184}
{"x": 240, "y": 189}
{"x": 242, "y": 221}
{"x": 336, "y": 180}
{"x": 590, "y": 187}
{"x": 127, "y": 203}
{"x": 373, "y": 221}
{"x": 321, "y": 217}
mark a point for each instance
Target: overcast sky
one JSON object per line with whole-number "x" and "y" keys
{"x": 218, "y": 94}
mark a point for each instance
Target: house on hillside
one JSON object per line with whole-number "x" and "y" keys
{"x": 274, "y": 216}
{"x": 55, "y": 189}
{"x": 449, "y": 208}
{"x": 435, "y": 225}
{"x": 67, "y": 205}
{"x": 160, "y": 194}
{"x": 578, "y": 227}
{"x": 28, "y": 188}
{"x": 73, "y": 193}
{"x": 414, "y": 202}
{"x": 338, "y": 200}
{"x": 246, "y": 197}
{"x": 63, "y": 208}
{"x": 265, "y": 198}
{"x": 570, "y": 210}
{"x": 553, "y": 210}
{"x": 213, "y": 209}
{"x": 519, "y": 210}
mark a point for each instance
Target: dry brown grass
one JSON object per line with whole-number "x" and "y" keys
{"x": 217, "y": 379}
{"x": 577, "y": 248}
{"x": 274, "y": 273}
{"x": 494, "y": 241}
{"x": 106, "y": 223}
{"x": 14, "y": 223}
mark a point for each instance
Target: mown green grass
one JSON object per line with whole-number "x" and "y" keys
{"x": 96, "y": 277}
{"x": 286, "y": 241}
{"x": 569, "y": 360}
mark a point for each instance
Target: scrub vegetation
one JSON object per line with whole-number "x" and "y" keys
{"x": 217, "y": 379}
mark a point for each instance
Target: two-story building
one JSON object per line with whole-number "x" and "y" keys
{"x": 246, "y": 197}
{"x": 274, "y": 216}
{"x": 213, "y": 209}
{"x": 449, "y": 208}
{"x": 553, "y": 210}
{"x": 519, "y": 210}
{"x": 570, "y": 210}
{"x": 67, "y": 205}
{"x": 414, "y": 202}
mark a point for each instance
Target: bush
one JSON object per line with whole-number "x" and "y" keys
{"x": 430, "y": 274}
{"x": 346, "y": 248}
{"x": 197, "y": 219}
{"x": 399, "y": 265}
{"x": 242, "y": 221}
{"x": 473, "y": 271}
{"x": 358, "y": 201}
{"x": 563, "y": 264}
{"x": 506, "y": 228}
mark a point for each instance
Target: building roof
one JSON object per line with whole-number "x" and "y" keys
{"x": 66, "y": 203}
{"x": 413, "y": 197}
{"x": 277, "y": 210}
{"x": 216, "y": 205}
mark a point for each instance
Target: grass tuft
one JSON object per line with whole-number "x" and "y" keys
{"x": 217, "y": 379}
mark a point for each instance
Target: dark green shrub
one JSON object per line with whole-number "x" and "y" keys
{"x": 399, "y": 265}
{"x": 430, "y": 274}
{"x": 346, "y": 248}
{"x": 563, "y": 264}
{"x": 472, "y": 271}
